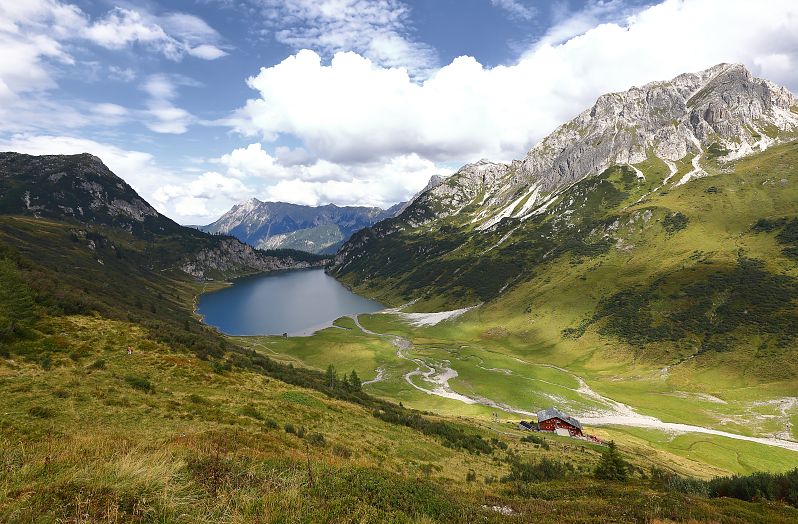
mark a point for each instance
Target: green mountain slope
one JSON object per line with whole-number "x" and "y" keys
{"x": 668, "y": 271}
{"x": 192, "y": 427}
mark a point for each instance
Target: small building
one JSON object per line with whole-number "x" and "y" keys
{"x": 556, "y": 421}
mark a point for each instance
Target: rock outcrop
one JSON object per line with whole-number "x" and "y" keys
{"x": 81, "y": 190}
{"x": 724, "y": 110}
{"x": 230, "y": 256}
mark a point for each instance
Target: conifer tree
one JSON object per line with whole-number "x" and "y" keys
{"x": 331, "y": 376}
{"x": 612, "y": 466}
{"x": 354, "y": 381}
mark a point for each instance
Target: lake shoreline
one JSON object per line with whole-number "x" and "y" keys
{"x": 297, "y": 302}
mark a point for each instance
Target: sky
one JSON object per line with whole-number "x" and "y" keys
{"x": 199, "y": 104}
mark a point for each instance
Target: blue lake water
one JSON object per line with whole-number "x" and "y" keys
{"x": 294, "y": 302}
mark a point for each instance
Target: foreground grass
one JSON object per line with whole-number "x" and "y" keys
{"x": 159, "y": 436}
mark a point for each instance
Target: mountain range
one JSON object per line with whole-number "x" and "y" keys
{"x": 650, "y": 246}
{"x": 315, "y": 229}
{"x": 660, "y": 220}
{"x": 79, "y": 190}
{"x": 280, "y": 225}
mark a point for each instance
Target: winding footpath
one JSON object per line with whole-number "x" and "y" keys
{"x": 615, "y": 414}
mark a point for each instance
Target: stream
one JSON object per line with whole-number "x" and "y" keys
{"x": 615, "y": 414}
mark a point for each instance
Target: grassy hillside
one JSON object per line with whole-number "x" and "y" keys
{"x": 97, "y": 435}
{"x": 192, "y": 427}
{"x": 678, "y": 301}
{"x": 663, "y": 273}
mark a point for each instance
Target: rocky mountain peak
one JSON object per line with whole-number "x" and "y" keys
{"x": 719, "y": 114}
{"x": 80, "y": 187}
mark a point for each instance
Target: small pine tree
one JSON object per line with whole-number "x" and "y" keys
{"x": 471, "y": 476}
{"x": 612, "y": 466}
{"x": 355, "y": 382}
{"x": 331, "y": 376}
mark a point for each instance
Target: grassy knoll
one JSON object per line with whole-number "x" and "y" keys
{"x": 98, "y": 435}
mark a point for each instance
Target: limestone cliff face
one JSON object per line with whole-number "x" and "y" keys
{"x": 232, "y": 257}
{"x": 78, "y": 187}
{"x": 724, "y": 107}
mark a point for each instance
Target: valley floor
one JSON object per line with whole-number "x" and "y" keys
{"x": 692, "y": 431}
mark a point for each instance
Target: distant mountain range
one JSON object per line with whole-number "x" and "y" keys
{"x": 315, "y": 229}
{"x": 107, "y": 215}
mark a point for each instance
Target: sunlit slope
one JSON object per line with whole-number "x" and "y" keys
{"x": 163, "y": 436}
{"x": 625, "y": 265}
{"x": 679, "y": 301}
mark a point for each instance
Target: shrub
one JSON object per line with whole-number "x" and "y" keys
{"x": 543, "y": 470}
{"x": 289, "y": 428}
{"x": 251, "y": 411}
{"x": 317, "y": 439}
{"x": 674, "y": 222}
{"x": 452, "y": 435}
{"x": 341, "y": 451}
{"x": 41, "y": 412}
{"x": 270, "y": 423}
{"x": 197, "y": 399}
{"x": 534, "y": 439}
{"x": 97, "y": 364}
{"x": 139, "y": 383}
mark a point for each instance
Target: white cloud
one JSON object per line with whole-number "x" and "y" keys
{"x": 39, "y": 39}
{"x": 123, "y": 27}
{"x": 515, "y": 8}
{"x": 353, "y": 110}
{"x": 377, "y": 29}
{"x": 381, "y": 185}
{"x": 316, "y": 182}
{"x": 162, "y": 116}
{"x": 206, "y": 52}
{"x": 204, "y": 197}
{"x": 111, "y": 113}
{"x": 124, "y": 74}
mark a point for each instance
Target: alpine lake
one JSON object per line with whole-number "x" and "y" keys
{"x": 296, "y": 302}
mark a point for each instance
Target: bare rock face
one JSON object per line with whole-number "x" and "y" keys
{"x": 230, "y": 256}
{"x": 79, "y": 187}
{"x": 725, "y": 107}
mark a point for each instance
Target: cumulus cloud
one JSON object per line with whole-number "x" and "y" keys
{"x": 204, "y": 196}
{"x": 162, "y": 116}
{"x": 377, "y": 29}
{"x": 317, "y": 182}
{"x": 353, "y": 110}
